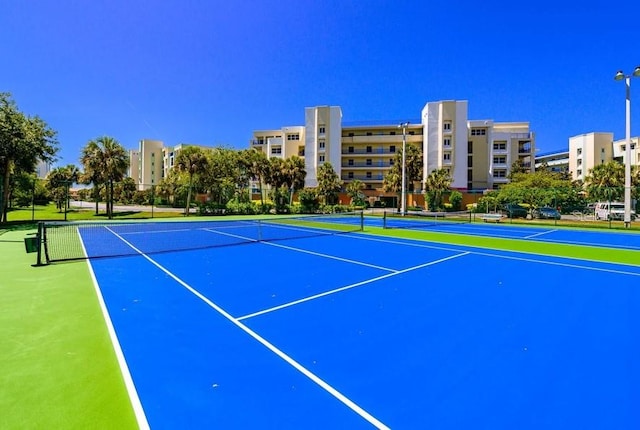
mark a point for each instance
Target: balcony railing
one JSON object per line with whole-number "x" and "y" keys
{"x": 364, "y": 164}
{"x": 364, "y": 151}
{"x": 377, "y": 177}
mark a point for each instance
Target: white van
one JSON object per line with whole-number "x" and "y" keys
{"x": 615, "y": 212}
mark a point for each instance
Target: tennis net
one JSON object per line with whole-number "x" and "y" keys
{"x": 417, "y": 220}
{"x": 78, "y": 240}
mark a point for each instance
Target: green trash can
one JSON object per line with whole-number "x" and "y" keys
{"x": 31, "y": 244}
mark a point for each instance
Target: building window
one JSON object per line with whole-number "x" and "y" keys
{"x": 392, "y": 133}
{"x": 447, "y": 142}
{"x": 499, "y": 160}
{"x": 446, "y": 156}
{"x": 446, "y": 126}
{"x": 321, "y": 144}
{"x": 470, "y": 147}
{"x": 369, "y": 149}
{"x": 392, "y": 162}
{"x": 301, "y": 151}
{"x": 579, "y": 161}
{"x": 499, "y": 173}
{"x": 368, "y": 175}
{"x": 321, "y": 158}
{"x": 369, "y": 162}
{"x": 351, "y": 135}
{"x": 350, "y": 175}
{"x": 369, "y": 133}
{"x": 478, "y": 131}
{"x": 295, "y": 136}
{"x": 392, "y": 148}
{"x": 469, "y": 161}
{"x": 321, "y": 129}
{"x": 350, "y": 162}
{"x": 579, "y": 172}
{"x": 500, "y": 146}
{"x": 350, "y": 150}
{"x": 276, "y": 150}
{"x": 579, "y": 151}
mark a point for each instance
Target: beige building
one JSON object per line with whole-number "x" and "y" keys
{"x": 587, "y": 151}
{"x": 478, "y": 154}
{"x": 149, "y": 164}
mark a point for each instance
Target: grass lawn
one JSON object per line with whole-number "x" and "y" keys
{"x": 59, "y": 369}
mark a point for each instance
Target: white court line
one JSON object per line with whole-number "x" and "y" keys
{"x": 539, "y": 234}
{"x": 348, "y": 287}
{"x": 305, "y": 251}
{"x": 306, "y": 372}
{"x": 136, "y": 405}
{"x": 417, "y": 244}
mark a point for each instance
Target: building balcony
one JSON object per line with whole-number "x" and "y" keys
{"x": 364, "y": 178}
{"x": 373, "y": 164}
{"x": 372, "y": 151}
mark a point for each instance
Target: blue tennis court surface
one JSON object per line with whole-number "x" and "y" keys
{"x": 355, "y": 331}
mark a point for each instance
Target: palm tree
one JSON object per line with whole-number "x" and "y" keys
{"x": 606, "y": 181}
{"x": 107, "y": 156}
{"x": 437, "y": 183}
{"x": 354, "y": 190}
{"x": 191, "y": 160}
{"x": 329, "y": 184}
{"x": 256, "y": 164}
{"x": 294, "y": 174}
{"x": 90, "y": 159}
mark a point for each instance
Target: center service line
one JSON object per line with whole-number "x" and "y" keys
{"x": 348, "y": 287}
{"x": 306, "y": 372}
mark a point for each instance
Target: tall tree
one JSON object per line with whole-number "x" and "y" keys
{"x": 294, "y": 174}
{"x": 354, "y": 191}
{"x": 606, "y": 181}
{"x": 392, "y": 181}
{"x": 437, "y": 183}
{"x": 223, "y": 174}
{"x": 329, "y": 184}
{"x": 192, "y": 161}
{"x": 256, "y": 164}
{"x": 112, "y": 160}
{"x": 24, "y": 140}
{"x": 58, "y": 182}
{"x": 90, "y": 158}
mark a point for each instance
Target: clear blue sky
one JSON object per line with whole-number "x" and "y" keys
{"x": 211, "y": 72}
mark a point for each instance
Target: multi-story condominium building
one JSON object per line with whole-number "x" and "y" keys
{"x": 478, "y": 154}
{"x": 149, "y": 164}
{"x": 146, "y": 163}
{"x": 619, "y": 151}
{"x": 587, "y": 151}
{"x": 554, "y": 161}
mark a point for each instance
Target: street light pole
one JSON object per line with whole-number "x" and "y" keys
{"x": 627, "y": 155}
{"x": 403, "y": 192}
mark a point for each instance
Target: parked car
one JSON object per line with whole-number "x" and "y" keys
{"x": 513, "y": 210}
{"x": 546, "y": 213}
{"x": 612, "y": 211}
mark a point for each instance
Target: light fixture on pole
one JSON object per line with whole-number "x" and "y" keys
{"x": 627, "y": 155}
{"x": 403, "y": 192}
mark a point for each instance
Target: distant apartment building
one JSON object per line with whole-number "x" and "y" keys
{"x": 478, "y": 154}
{"x": 590, "y": 149}
{"x": 151, "y": 162}
{"x": 587, "y": 151}
{"x": 553, "y": 161}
